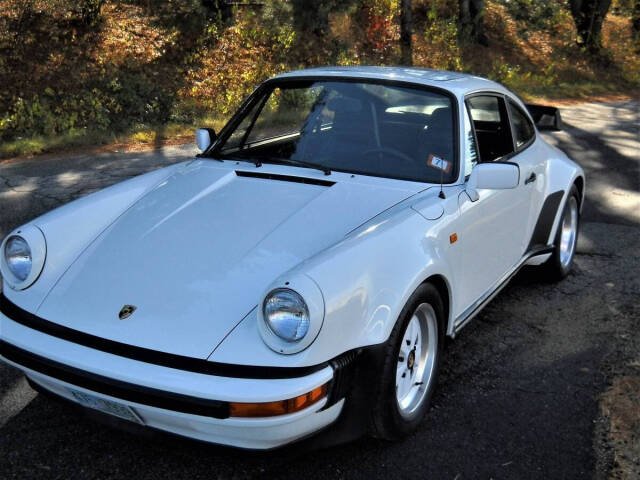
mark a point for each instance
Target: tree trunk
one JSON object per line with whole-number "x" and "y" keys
{"x": 635, "y": 25}
{"x": 406, "y": 29}
{"x": 90, "y": 12}
{"x": 218, "y": 9}
{"x": 312, "y": 16}
{"x": 471, "y": 21}
{"x": 588, "y": 15}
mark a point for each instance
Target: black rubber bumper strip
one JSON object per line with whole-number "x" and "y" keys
{"x": 147, "y": 355}
{"x": 115, "y": 388}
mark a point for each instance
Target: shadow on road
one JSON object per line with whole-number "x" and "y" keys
{"x": 32, "y": 187}
{"x": 606, "y": 143}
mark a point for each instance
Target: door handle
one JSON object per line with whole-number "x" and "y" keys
{"x": 532, "y": 178}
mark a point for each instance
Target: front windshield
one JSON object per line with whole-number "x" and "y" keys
{"x": 366, "y": 128}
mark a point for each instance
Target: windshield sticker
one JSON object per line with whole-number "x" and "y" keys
{"x": 439, "y": 163}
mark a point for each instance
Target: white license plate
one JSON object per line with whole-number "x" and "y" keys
{"x": 106, "y": 406}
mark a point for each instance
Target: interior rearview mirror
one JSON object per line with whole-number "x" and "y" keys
{"x": 492, "y": 176}
{"x": 204, "y": 138}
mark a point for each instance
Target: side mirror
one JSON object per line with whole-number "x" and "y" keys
{"x": 545, "y": 118}
{"x": 492, "y": 176}
{"x": 204, "y": 138}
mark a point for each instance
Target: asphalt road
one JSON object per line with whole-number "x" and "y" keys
{"x": 520, "y": 388}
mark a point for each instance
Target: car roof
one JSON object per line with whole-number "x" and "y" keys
{"x": 459, "y": 83}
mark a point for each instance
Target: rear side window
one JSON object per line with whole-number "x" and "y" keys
{"x": 523, "y": 130}
{"x": 485, "y": 109}
{"x": 491, "y": 124}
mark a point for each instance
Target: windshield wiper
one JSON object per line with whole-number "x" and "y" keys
{"x": 237, "y": 156}
{"x": 258, "y": 160}
{"x": 286, "y": 161}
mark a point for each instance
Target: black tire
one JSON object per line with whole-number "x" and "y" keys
{"x": 387, "y": 421}
{"x": 554, "y": 269}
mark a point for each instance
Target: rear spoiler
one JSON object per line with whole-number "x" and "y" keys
{"x": 545, "y": 118}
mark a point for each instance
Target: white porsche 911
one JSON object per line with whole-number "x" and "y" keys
{"x": 302, "y": 273}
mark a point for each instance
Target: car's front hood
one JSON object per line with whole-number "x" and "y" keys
{"x": 195, "y": 254}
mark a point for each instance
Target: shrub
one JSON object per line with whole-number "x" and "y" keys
{"x": 535, "y": 15}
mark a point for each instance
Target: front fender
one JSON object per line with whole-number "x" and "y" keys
{"x": 369, "y": 278}
{"x": 365, "y": 280}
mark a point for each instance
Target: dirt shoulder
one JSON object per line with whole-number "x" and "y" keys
{"x": 116, "y": 147}
{"x": 620, "y": 409}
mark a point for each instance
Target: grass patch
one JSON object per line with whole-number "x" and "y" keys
{"x": 142, "y": 135}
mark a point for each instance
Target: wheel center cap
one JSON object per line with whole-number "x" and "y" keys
{"x": 411, "y": 360}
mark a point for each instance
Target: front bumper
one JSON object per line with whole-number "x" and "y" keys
{"x": 181, "y": 402}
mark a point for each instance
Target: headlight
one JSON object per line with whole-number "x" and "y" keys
{"x": 22, "y": 257}
{"x": 290, "y": 314}
{"x": 17, "y": 254}
{"x": 286, "y": 314}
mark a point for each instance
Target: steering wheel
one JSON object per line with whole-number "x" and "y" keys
{"x": 390, "y": 151}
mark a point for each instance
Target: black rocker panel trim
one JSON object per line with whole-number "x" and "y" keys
{"x": 544, "y": 224}
{"x": 285, "y": 178}
{"x": 115, "y": 388}
{"x": 147, "y": 355}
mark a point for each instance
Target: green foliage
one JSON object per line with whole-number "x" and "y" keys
{"x": 75, "y": 71}
{"x": 81, "y": 12}
{"x": 255, "y": 48}
{"x": 385, "y": 8}
{"x": 48, "y": 115}
{"x": 115, "y": 104}
{"x": 441, "y": 36}
{"x": 623, "y": 7}
{"x": 536, "y": 15}
{"x": 142, "y": 98}
{"x": 503, "y": 72}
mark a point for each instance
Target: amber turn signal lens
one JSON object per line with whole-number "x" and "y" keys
{"x": 281, "y": 407}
